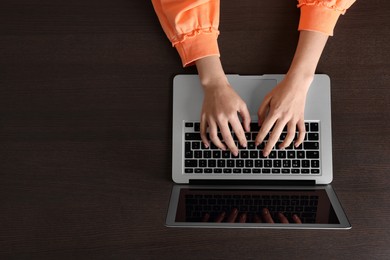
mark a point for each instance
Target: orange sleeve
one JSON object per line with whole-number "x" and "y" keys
{"x": 191, "y": 26}
{"x": 321, "y": 15}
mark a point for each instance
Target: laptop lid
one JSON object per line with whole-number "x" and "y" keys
{"x": 187, "y": 104}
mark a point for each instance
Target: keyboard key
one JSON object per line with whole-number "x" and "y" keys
{"x": 305, "y": 171}
{"x": 307, "y": 127}
{"x": 188, "y": 170}
{"x": 300, "y": 154}
{"x": 312, "y": 154}
{"x": 246, "y": 170}
{"x": 227, "y": 170}
{"x": 239, "y": 163}
{"x": 198, "y": 170}
{"x": 196, "y": 145}
{"x": 267, "y": 163}
{"x": 189, "y": 124}
{"x": 254, "y": 127}
{"x": 305, "y": 163}
{"x": 291, "y": 154}
{"x": 235, "y": 170}
{"x": 296, "y": 163}
{"x": 206, "y": 154}
{"x": 277, "y": 163}
{"x": 311, "y": 145}
{"x": 189, "y": 154}
{"x": 212, "y": 163}
{"x": 286, "y": 171}
{"x": 258, "y": 163}
{"x": 230, "y": 163}
{"x": 217, "y": 154}
{"x": 282, "y": 154}
{"x": 198, "y": 154}
{"x": 221, "y": 163}
{"x": 251, "y": 145}
{"x": 217, "y": 170}
{"x": 286, "y": 163}
{"x": 272, "y": 154}
{"x": 256, "y": 170}
{"x": 248, "y": 163}
{"x": 191, "y": 163}
{"x": 208, "y": 170}
{"x": 203, "y": 163}
{"x": 275, "y": 171}
{"x": 315, "y": 163}
{"x": 312, "y": 136}
{"x": 187, "y": 146}
{"x": 314, "y": 127}
{"x": 197, "y": 127}
{"x": 315, "y": 171}
{"x": 266, "y": 171}
{"x": 226, "y": 154}
{"x": 244, "y": 154}
{"x": 253, "y": 154}
{"x": 192, "y": 136}
{"x": 295, "y": 171}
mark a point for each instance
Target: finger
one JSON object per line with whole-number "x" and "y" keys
{"x": 228, "y": 139}
{"x": 262, "y": 112}
{"x": 289, "y": 137}
{"x": 242, "y": 218}
{"x": 267, "y": 216}
{"x": 213, "y": 132}
{"x": 257, "y": 219}
{"x": 302, "y": 132}
{"x": 274, "y": 137}
{"x": 232, "y": 216}
{"x": 282, "y": 218}
{"x": 246, "y": 117}
{"x": 264, "y": 130}
{"x": 238, "y": 131}
{"x": 220, "y": 217}
{"x": 203, "y": 131}
{"x": 206, "y": 217}
{"x": 296, "y": 219}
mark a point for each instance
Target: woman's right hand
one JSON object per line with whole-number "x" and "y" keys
{"x": 221, "y": 106}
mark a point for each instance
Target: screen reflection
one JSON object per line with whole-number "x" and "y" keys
{"x": 255, "y": 206}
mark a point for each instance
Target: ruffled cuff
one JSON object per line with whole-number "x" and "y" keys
{"x": 318, "y": 18}
{"x": 197, "y": 45}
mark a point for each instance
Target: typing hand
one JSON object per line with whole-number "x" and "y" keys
{"x": 284, "y": 105}
{"x": 221, "y": 106}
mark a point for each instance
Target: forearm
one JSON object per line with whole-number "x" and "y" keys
{"x": 307, "y": 54}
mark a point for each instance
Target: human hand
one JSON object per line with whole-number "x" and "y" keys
{"x": 221, "y": 107}
{"x": 284, "y": 105}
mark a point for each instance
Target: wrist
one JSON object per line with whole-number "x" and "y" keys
{"x": 299, "y": 80}
{"x": 210, "y": 72}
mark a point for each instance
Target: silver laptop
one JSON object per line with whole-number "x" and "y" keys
{"x": 288, "y": 189}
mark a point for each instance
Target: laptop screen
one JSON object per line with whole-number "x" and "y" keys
{"x": 255, "y": 207}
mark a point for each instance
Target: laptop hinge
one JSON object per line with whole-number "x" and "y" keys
{"x": 254, "y": 182}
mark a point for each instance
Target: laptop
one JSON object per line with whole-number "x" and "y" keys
{"x": 289, "y": 188}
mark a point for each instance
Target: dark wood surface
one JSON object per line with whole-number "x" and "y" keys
{"x": 85, "y": 130}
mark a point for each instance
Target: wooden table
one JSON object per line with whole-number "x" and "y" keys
{"x": 85, "y": 130}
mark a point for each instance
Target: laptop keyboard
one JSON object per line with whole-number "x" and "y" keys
{"x": 304, "y": 159}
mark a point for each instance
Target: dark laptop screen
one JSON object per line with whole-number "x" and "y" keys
{"x": 255, "y": 206}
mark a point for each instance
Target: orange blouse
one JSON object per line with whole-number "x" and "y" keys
{"x": 192, "y": 25}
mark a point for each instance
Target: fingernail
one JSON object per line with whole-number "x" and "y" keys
{"x": 265, "y": 211}
{"x": 265, "y": 154}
